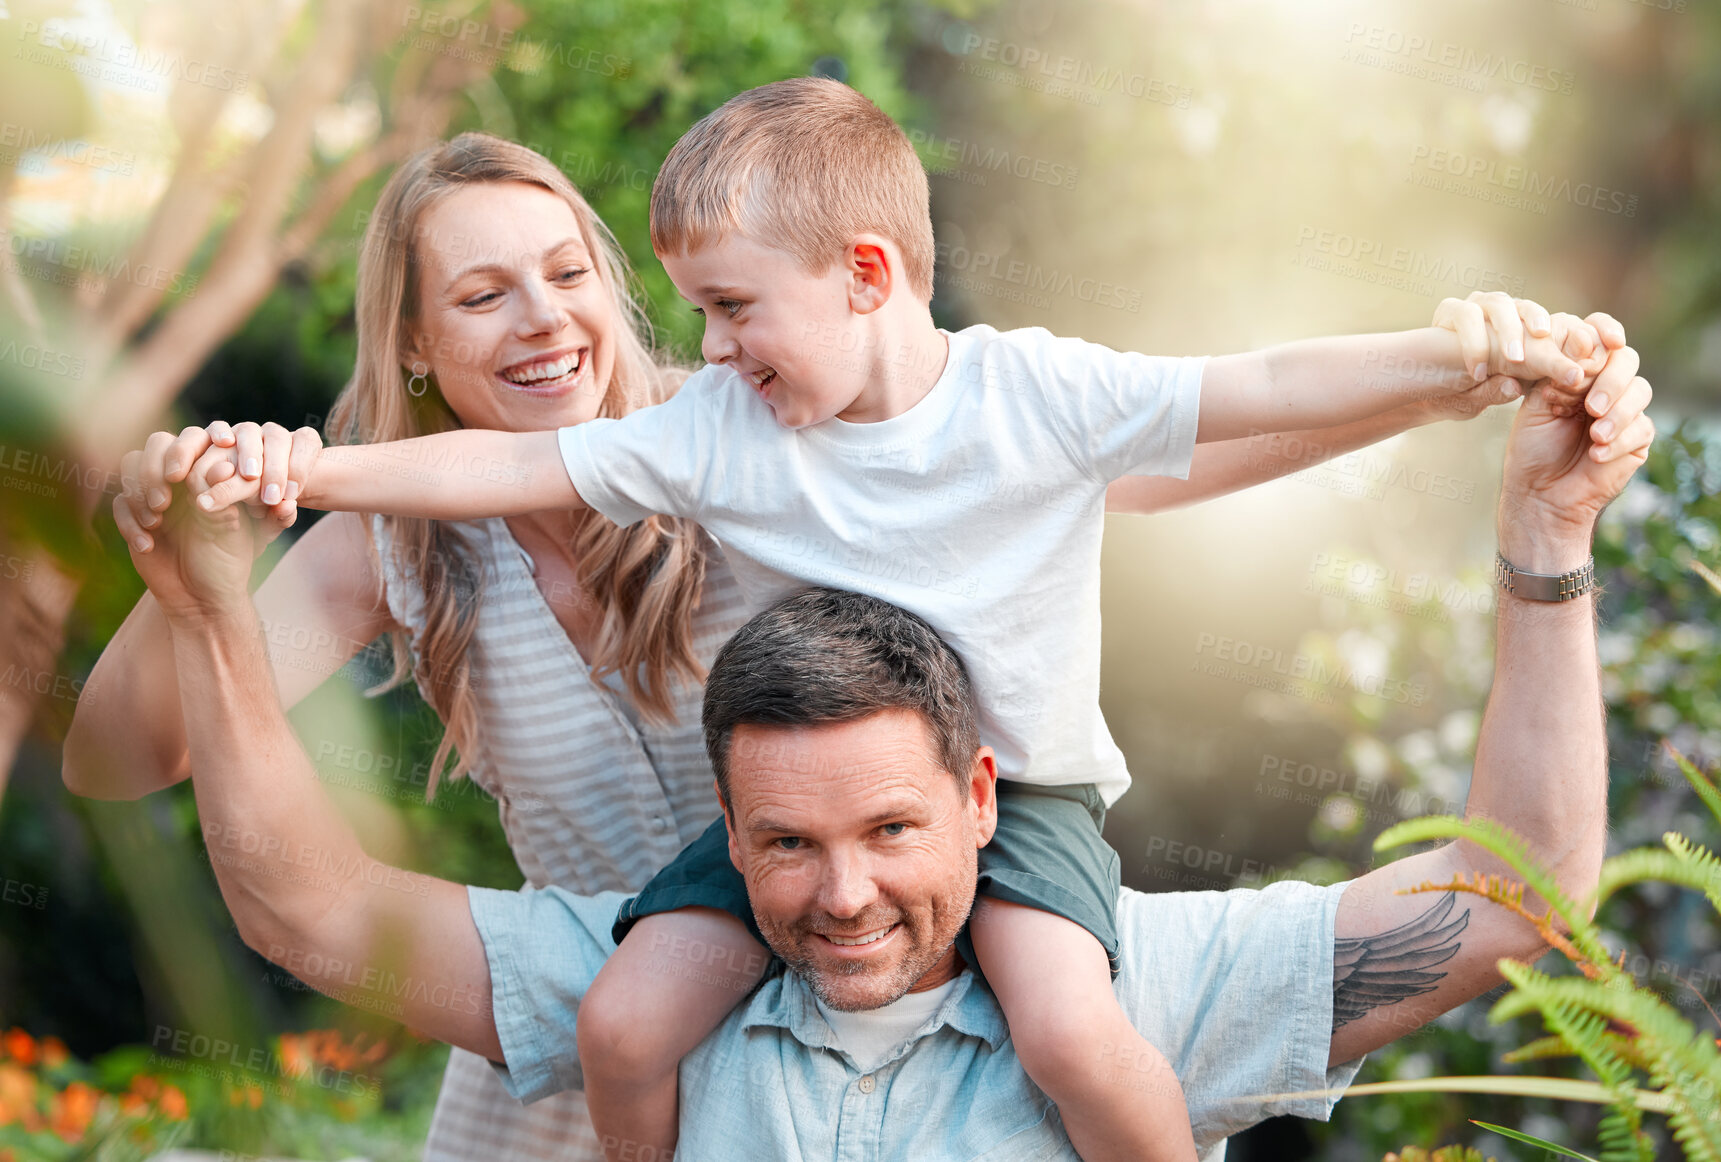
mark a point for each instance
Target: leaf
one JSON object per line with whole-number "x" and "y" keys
{"x": 1531, "y": 1139}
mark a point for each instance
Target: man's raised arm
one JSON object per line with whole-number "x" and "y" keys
{"x": 301, "y": 889}
{"x": 1541, "y": 759}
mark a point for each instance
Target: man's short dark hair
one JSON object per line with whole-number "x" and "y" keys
{"x": 827, "y": 655}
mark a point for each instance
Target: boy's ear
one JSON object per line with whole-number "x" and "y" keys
{"x": 872, "y": 268}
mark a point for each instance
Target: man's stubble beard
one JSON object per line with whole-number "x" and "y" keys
{"x": 790, "y": 943}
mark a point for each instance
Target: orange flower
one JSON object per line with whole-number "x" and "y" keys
{"x": 172, "y": 1103}
{"x": 73, "y": 1109}
{"x": 54, "y": 1052}
{"x": 17, "y": 1095}
{"x": 296, "y": 1059}
{"x": 145, "y": 1086}
{"x": 132, "y": 1105}
{"x": 20, "y": 1046}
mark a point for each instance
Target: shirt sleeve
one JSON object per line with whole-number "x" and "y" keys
{"x": 544, "y": 947}
{"x": 656, "y": 460}
{"x": 1120, "y": 413}
{"x": 1236, "y": 989}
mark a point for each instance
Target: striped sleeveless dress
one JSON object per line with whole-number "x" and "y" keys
{"x": 591, "y": 797}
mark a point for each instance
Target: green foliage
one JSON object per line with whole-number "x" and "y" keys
{"x": 1617, "y": 1027}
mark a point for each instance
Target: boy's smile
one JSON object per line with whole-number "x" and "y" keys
{"x": 814, "y": 346}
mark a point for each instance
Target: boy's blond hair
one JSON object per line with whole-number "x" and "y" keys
{"x": 803, "y": 165}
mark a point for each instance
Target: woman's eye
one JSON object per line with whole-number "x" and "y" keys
{"x": 480, "y": 300}
{"x": 573, "y": 274}
{"x": 729, "y": 306}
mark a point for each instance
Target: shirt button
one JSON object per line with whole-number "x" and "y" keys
{"x": 660, "y": 823}
{"x": 867, "y": 1084}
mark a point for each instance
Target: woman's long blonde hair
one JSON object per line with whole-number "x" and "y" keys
{"x": 646, "y": 578}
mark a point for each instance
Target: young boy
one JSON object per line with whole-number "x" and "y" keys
{"x": 840, "y": 438}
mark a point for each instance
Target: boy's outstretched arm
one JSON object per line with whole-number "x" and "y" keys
{"x": 467, "y": 474}
{"x": 1320, "y": 383}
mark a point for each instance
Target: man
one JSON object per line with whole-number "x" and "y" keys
{"x": 842, "y": 733}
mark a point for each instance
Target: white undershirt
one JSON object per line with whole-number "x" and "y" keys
{"x": 872, "y": 1035}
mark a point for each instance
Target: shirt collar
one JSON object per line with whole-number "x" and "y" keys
{"x": 785, "y": 1002}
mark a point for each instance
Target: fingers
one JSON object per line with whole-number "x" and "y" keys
{"x": 248, "y": 442}
{"x": 139, "y": 515}
{"x": 1535, "y": 318}
{"x": 1616, "y": 432}
{"x": 1611, "y": 381}
{"x": 1609, "y": 328}
{"x": 147, "y": 470}
{"x": 1466, "y": 319}
{"x": 277, "y": 453}
{"x": 125, "y": 519}
{"x": 177, "y": 459}
{"x": 1502, "y": 313}
{"x": 1577, "y": 339}
{"x": 307, "y": 446}
{"x": 217, "y": 481}
{"x": 1633, "y": 442}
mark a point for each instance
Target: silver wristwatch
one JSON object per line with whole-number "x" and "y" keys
{"x": 1545, "y": 586}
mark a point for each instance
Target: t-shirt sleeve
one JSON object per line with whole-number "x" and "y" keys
{"x": 1236, "y": 989}
{"x": 544, "y": 947}
{"x": 652, "y": 461}
{"x": 1120, "y": 413}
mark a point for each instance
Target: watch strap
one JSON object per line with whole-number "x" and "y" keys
{"x": 1545, "y": 586}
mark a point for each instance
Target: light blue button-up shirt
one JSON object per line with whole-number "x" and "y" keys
{"x": 1235, "y": 988}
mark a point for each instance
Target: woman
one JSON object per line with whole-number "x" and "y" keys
{"x": 565, "y": 656}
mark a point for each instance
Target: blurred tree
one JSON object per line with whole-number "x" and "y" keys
{"x": 275, "y": 122}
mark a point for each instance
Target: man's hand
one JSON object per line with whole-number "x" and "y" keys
{"x": 193, "y": 562}
{"x": 1564, "y": 465}
{"x": 1500, "y": 336}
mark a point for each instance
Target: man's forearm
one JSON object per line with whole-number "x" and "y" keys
{"x": 1541, "y": 759}
{"x": 282, "y": 853}
{"x": 300, "y": 887}
{"x": 468, "y": 474}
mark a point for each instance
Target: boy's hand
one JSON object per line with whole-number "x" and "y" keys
{"x": 271, "y": 481}
{"x": 272, "y": 462}
{"x": 1502, "y": 336}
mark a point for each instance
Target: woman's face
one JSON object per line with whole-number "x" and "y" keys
{"x": 513, "y": 319}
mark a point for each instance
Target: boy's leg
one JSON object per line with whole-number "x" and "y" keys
{"x": 668, "y": 984}
{"x": 1117, "y": 1094}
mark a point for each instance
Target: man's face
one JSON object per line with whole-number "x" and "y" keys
{"x": 858, "y": 850}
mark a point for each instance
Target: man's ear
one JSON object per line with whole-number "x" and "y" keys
{"x": 872, "y": 266}
{"x": 983, "y": 794}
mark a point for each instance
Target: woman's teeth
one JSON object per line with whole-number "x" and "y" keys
{"x": 534, "y": 374}
{"x": 851, "y": 941}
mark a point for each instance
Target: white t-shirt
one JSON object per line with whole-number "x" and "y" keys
{"x": 980, "y": 509}
{"x": 872, "y": 1035}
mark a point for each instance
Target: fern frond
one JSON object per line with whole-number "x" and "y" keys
{"x": 1541, "y": 1049}
{"x": 1507, "y": 846}
{"x": 1509, "y": 894}
{"x": 1573, "y": 1020}
{"x": 1685, "y": 1065}
{"x": 1645, "y": 864}
{"x": 1706, "y": 790}
{"x": 1701, "y": 861}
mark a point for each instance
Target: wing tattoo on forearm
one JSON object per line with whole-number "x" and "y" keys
{"x": 1371, "y": 971}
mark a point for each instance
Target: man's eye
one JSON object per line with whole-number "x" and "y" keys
{"x": 789, "y": 843}
{"x": 894, "y": 829}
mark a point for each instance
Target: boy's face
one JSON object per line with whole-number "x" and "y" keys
{"x": 792, "y": 335}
